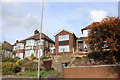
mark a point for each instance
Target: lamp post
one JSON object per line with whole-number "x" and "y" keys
{"x": 40, "y": 46}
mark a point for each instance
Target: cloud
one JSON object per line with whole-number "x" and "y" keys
{"x": 98, "y": 15}
{"x": 16, "y": 22}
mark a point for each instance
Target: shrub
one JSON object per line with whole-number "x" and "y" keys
{"x": 105, "y": 56}
{"x": 44, "y": 58}
{"x": 78, "y": 58}
{"x": 32, "y": 57}
{"x": 16, "y": 58}
{"x": 94, "y": 55}
{"x": 26, "y": 59}
{"x": 9, "y": 68}
{"x": 22, "y": 62}
{"x": 31, "y": 66}
{"x": 8, "y": 59}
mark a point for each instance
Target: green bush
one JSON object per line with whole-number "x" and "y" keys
{"x": 22, "y": 62}
{"x": 31, "y": 66}
{"x": 16, "y": 58}
{"x": 78, "y": 58}
{"x": 9, "y": 68}
{"x": 9, "y": 59}
{"x": 44, "y": 58}
{"x": 32, "y": 57}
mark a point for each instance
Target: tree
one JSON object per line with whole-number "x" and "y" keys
{"x": 13, "y": 53}
{"x": 32, "y": 56}
{"x": 105, "y": 35}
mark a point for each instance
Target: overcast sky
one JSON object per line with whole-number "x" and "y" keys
{"x": 20, "y": 19}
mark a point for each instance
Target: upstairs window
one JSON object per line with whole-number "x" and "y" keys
{"x": 64, "y": 42}
{"x": 63, "y": 37}
{"x": 30, "y": 42}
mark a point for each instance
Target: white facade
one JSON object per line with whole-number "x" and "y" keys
{"x": 20, "y": 55}
{"x": 18, "y": 46}
{"x": 30, "y": 42}
{"x": 85, "y": 33}
{"x": 29, "y": 52}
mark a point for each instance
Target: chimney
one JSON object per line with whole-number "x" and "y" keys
{"x": 16, "y": 41}
{"x": 36, "y": 32}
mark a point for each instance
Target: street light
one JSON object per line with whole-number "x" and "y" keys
{"x": 40, "y": 46}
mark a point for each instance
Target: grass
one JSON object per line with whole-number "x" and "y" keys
{"x": 42, "y": 73}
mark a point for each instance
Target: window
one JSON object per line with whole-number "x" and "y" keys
{"x": 63, "y": 42}
{"x": 42, "y": 42}
{"x": 65, "y": 48}
{"x": 30, "y": 42}
{"x": 20, "y": 55}
{"x": 29, "y": 52}
{"x": 63, "y": 37}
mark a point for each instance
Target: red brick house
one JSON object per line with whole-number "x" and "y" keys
{"x": 65, "y": 41}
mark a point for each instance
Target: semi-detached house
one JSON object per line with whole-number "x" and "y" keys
{"x": 31, "y": 45}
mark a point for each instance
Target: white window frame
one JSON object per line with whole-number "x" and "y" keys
{"x": 30, "y": 42}
{"x": 65, "y": 48}
{"x": 63, "y": 37}
{"x": 29, "y": 52}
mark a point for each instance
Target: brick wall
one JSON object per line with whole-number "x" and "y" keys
{"x": 112, "y": 71}
{"x": 72, "y": 40}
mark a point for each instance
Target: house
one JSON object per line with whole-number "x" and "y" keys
{"x": 19, "y": 48}
{"x": 85, "y": 32}
{"x": 65, "y": 41}
{"x": 31, "y": 45}
{"x": 81, "y": 44}
{"x": 7, "y": 49}
{"x": 86, "y": 29}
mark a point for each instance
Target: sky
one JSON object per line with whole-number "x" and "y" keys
{"x": 18, "y": 20}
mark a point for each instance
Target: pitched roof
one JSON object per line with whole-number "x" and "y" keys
{"x": 63, "y": 30}
{"x": 37, "y": 36}
{"x": 81, "y": 38}
{"x": 7, "y": 46}
{"x": 88, "y": 27}
{"x": 22, "y": 41}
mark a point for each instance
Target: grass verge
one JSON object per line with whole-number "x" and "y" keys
{"x": 42, "y": 73}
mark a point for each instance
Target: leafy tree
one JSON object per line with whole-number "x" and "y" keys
{"x": 14, "y": 53}
{"x": 32, "y": 56}
{"x": 105, "y": 35}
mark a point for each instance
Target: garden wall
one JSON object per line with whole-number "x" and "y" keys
{"x": 58, "y": 59}
{"x": 99, "y": 71}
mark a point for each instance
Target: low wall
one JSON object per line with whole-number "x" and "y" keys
{"x": 99, "y": 71}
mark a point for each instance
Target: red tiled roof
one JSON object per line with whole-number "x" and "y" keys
{"x": 88, "y": 27}
{"x": 22, "y": 41}
{"x": 37, "y": 36}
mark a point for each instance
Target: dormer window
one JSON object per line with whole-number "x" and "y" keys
{"x": 63, "y": 37}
